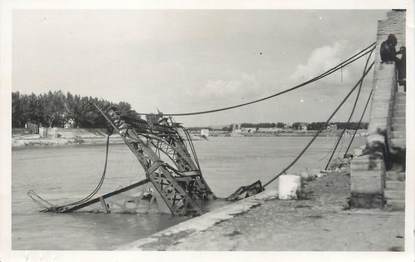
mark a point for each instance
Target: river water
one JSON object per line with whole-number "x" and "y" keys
{"x": 65, "y": 174}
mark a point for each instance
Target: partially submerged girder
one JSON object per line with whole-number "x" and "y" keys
{"x": 165, "y": 151}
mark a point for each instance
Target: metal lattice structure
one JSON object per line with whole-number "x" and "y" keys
{"x": 165, "y": 151}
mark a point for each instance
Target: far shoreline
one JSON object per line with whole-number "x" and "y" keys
{"x": 30, "y": 142}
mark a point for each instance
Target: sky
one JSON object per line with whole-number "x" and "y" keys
{"x": 190, "y": 60}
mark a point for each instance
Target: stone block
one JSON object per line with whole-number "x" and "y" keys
{"x": 398, "y": 126}
{"x": 395, "y": 194}
{"x": 395, "y": 185}
{"x": 387, "y": 71}
{"x": 367, "y": 175}
{"x": 367, "y": 182}
{"x": 367, "y": 201}
{"x": 399, "y": 119}
{"x": 378, "y": 126}
{"x": 366, "y": 163}
{"x": 398, "y": 134}
{"x": 398, "y": 143}
{"x": 395, "y": 205}
{"x": 375, "y": 141}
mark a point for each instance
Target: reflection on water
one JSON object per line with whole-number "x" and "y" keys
{"x": 66, "y": 174}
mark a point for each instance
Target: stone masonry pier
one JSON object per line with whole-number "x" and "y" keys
{"x": 371, "y": 184}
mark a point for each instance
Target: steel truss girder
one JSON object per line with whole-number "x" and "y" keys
{"x": 181, "y": 186}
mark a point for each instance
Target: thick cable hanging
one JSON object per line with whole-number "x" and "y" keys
{"x": 358, "y": 125}
{"x": 36, "y": 197}
{"x": 330, "y": 71}
{"x": 346, "y": 62}
{"x": 350, "y": 116}
{"x": 320, "y": 130}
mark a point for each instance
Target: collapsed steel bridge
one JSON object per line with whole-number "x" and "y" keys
{"x": 166, "y": 152}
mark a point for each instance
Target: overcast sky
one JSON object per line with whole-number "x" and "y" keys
{"x": 191, "y": 60}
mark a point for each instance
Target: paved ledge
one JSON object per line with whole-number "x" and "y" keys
{"x": 199, "y": 224}
{"x": 319, "y": 221}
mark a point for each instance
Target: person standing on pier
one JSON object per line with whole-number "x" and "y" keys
{"x": 388, "y": 55}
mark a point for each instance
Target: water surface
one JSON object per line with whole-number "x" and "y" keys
{"x": 69, "y": 173}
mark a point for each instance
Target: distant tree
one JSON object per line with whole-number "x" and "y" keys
{"x": 259, "y": 125}
{"x": 316, "y": 126}
{"x": 246, "y": 125}
{"x": 280, "y": 125}
{"x": 296, "y": 125}
{"x": 227, "y": 128}
{"x": 54, "y": 109}
{"x": 17, "y": 114}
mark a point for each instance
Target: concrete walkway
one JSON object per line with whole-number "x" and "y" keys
{"x": 320, "y": 222}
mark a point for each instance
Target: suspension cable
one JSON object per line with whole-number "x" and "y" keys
{"x": 330, "y": 71}
{"x": 321, "y": 129}
{"x": 92, "y": 194}
{"x": 350, "y": 116}
{"x": 358, "y": 125}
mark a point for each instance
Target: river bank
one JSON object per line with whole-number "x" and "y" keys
{"x": 69, "y": 137}
{"x": 29, "y": 142}
{"x": 320, "y": 221}
{"x": 58, "y": 137}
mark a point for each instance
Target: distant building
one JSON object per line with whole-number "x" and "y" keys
{"x": 236, "y": 130}
{"x": 236, "y": 126}
{"x": 33, "y": 128}
{"x": 332, "y": 127}
{"x": 269, "y": 129}
{"x": 299, "y": 126}
{"x": 248, "y": 130}
{"x": 204, "y": 132}
{"x": 69, "y": 124}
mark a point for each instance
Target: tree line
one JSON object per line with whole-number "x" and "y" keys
{"x": 299, "y": 125}
{"x": 55, "y": 109}
{"x": 263, "y": 125}
{"x": 339, "y": 125}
